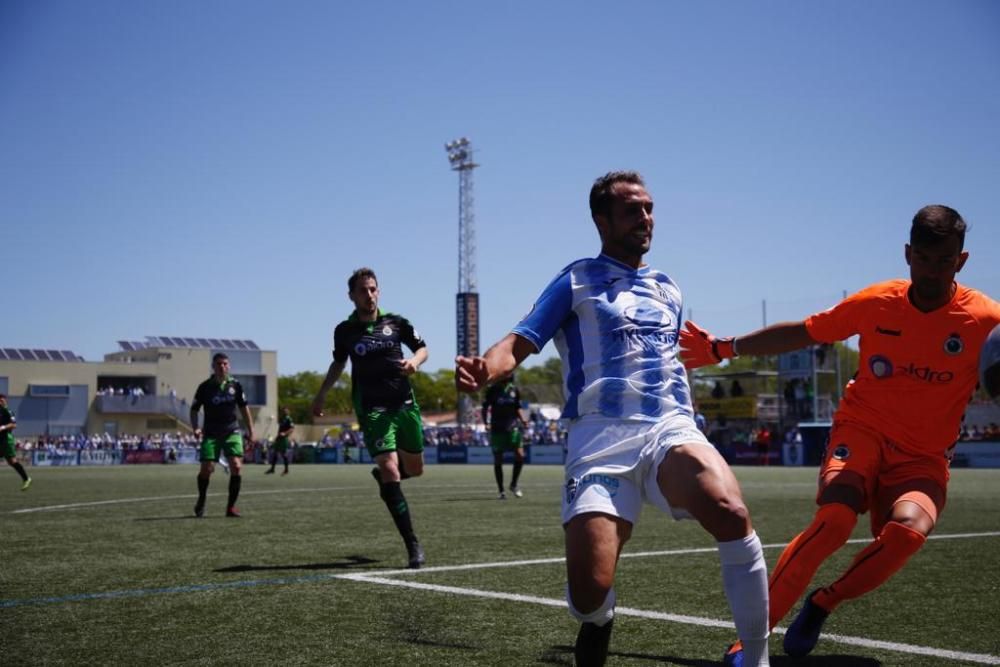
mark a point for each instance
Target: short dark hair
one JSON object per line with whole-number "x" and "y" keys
{"x": 219, "y": 355}
{"x": 360, "y": 274}
{"x": 602, "y": 191}
{"x": 3, "y": 395}
{"x": 935, "y": 223}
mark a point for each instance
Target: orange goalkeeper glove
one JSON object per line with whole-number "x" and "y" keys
{"x": 700, "y": 348}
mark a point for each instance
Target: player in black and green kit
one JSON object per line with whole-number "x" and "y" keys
{"x": 502, "y": 411}
{"x": 8, "y": 445}
{"x": 383, "y": 399}
{"x": 285, "y": 428}
{"x": 222, "y": 397}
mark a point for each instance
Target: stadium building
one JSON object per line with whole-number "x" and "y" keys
{"x": 144, "y": 387}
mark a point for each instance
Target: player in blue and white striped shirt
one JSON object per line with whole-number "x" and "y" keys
{"x": 615, "y": 323}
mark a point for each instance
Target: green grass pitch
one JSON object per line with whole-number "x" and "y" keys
{"x": 108, "y": 566}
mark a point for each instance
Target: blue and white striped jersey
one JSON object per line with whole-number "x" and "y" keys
{"x": 616, "y": 330}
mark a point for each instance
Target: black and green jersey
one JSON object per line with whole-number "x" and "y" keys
{"x": 375, "y": 350}
{"x": 503, "y": 400}
{"x": 284, "y": 426}
{"x": 6, "y": 417}
{"x": 220, "y": 401}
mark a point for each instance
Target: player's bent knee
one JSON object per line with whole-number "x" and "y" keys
{"x": 599, "y": 616}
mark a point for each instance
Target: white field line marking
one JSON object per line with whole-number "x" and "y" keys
{"x": 189, "y": 496}
{"x": 896, "y": 647}
{"x": 636, "y": 554}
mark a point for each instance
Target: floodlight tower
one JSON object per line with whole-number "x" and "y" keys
{"x": 467, "y": 300}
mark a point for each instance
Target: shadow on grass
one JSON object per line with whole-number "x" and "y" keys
{"x": 346, "y": 564}
{"x": 468, "y": 499}
{"x": 824, "y": 661}
{"x": 563, "y": 655}
{"x": 411, "y": 633}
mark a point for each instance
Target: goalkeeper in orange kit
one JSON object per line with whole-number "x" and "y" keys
{"x": 893, "y": 432}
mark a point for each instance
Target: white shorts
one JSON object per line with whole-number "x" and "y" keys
{"x": 611, "y": 465}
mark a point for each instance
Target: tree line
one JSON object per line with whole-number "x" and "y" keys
{"x": 435, "y": 391}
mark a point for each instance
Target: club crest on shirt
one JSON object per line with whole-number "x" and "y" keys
{"x": 954, "y": 345}
{"x": 880, "y": 366}
{"x": 842, "y": 453}
{"x": 387, "y": 330}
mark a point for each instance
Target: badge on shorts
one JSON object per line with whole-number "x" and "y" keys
{"x": 571, "y": 490}
{"x": 841, "y": 453}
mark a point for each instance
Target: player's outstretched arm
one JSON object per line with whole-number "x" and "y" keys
{"x": 247, "y": 421}
{"x": 700, "y": 348}
{"x": 332, "y": 375}
{"x": 474, "y": 373}
{"x": 410, "y": 366}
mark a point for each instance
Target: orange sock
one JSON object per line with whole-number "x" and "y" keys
{"x": 873, "y": 566}
{"x": 828, "y": 531}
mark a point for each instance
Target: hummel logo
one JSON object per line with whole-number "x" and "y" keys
{"x": 888, "y": 332}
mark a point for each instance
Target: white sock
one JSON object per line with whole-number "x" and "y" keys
{"x": 744, "y": 578}
{"x": 600, "y": 616}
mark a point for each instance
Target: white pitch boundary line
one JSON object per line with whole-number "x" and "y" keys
{"x": 381, "y": 578}
{"x": 637, "y": 554}
{"x": 980, "y": 658}
{"x": 189, "y": 496}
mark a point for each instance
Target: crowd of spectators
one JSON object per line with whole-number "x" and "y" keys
{"x": 539, "y": 431}
{"x": 988, "y": 432}
{"x": 124, "y": 442}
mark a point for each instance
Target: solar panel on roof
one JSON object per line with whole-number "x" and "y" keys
{"x": 251, "y": 345}
{"x": 3, "y": 355}
{"x": 202, "y": 342}
{"x": 164, "y": 341}
{"x": 55, "y": 355}
{"x": 41, "y": 355}
{"x": 228, "y": 344}
{"x": 12, "y": 353}
{"x": 215, "y": 342}
{"x": 27, "y": 355}
{"x": 239, "y": 344}
{"x": 70, "y": 356}
{"x": 179, "y": 342}
{"x": 125, "y": 345}
{"x": 190, "y": 342}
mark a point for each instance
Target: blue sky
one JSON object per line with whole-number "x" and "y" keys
{"x": 219, "y": 168}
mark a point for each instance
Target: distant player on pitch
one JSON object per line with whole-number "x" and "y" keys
{"x": 387, "y": 411}
{"x": 892, "y": 435}
{"x": 285, "y": 429}
{"x": 8, "y": 444}
{"x": 502, "y": 411}
{"x": 632, "y": 434}
{"x": 220, "y": 435}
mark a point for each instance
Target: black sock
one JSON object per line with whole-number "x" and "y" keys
{"x": 517, "y": 472}
{"x": 498, "y": 475}
{"x": 392, "y": 496}
{"x": 20, "y": 471}
{"x": 202, "y": 489}
{"x": 285, "y": 459}
{"x": 235, "y": 481}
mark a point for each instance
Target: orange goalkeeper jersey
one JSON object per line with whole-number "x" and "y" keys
{"x": 917, "y": 371}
